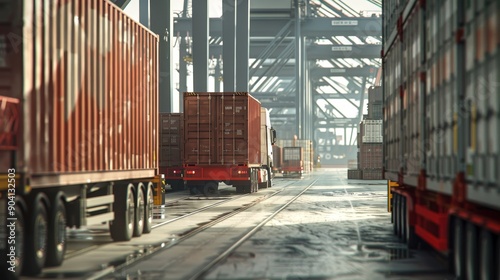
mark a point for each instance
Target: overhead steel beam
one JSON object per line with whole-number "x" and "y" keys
{"x": 314, "y": 52}
{"x": 312, "y": 27}
{"x": 269, "y": 97}
{"x": 336, "y": 122}
{"x": 353, "y": 51}
{"x": 288, "y": 71}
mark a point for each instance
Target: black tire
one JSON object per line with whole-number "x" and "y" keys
{"x": 403, "y": 219}
{"x": 486, "y": 254}
{"x": 210, "y": 189}
{"x": 395, "y": 213}
{"x": 139, "y": 210}
{"x": 412, "y": 239}
{"x": 458, "y": 256}
{"x": 497, "y": 260}
{"x": 14, "y": 266}
{"x": 122, "y": 227}
{"x": 56, "y": 244}
{"x": 35, "y": 251}
{"x": 239, "y": 189}
{"x": 148, "y": 209}
{"x": 472, "y": 252}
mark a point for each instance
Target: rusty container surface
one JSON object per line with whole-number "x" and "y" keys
{"x": 221, "y": 128}
{"x": 84, "y": 79}
{"x": 171, "y": 139}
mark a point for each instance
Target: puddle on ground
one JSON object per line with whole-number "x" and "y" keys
{"x": 389, "y": 253}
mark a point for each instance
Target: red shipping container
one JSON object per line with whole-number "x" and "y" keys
{"x": 221, "y": 128}
{"x": 83, "y": 80}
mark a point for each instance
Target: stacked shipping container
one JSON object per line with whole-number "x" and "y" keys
{"x": 369, "y": 152}
{"x": 375, "y": 103}
{"x": 370, "y": 140}
{"x": 171, "y": 147}
{"x": 442, "y": 122}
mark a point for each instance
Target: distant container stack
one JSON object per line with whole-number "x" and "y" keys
{"x": 375, "y": 106}
{"x": 370, "y": 141}
{"x": 307, "y": 151}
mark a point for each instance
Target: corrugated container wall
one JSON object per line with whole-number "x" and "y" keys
{"x": 86, "y": 77}
{"x": 482, "y": 101}
{"x": 370, "y": 156}
{"x": 429, "y": 127}
{"x": 221, "y": 128}
{"x": 371, "y": 131}
{"x": 171, "y": 139}
{"x": 307, "y": 151}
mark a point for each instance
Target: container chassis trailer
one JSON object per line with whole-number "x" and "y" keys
{"x": 441, "y": 65}
{"x": 227, "y": 138}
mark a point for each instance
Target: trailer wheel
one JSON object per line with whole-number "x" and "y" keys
{"x": 239, "y": 189}
{"x": 148, "y": 209}
{"x": 36, "y": 237}
{"x": 458, "y": 248}
{"x": 210, "y": 188}
{"x": 471, "y": 254}
{"x": 139, "y": 210}
{"x": 16, "y": 262}
{"x": 395, "y": 207}
{"x": 403, "y": 219}
{"x": 486, "y": 255}
{"x": 411, "y": 237}
{"x": 56, "y": 245}
{"x": 122, "y": 227}
{"x": 497, "y": 253}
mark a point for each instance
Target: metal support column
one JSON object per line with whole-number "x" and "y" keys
{"x": 298, "y": 70}
{"x": 242, "y": 45}
{"x": 229, "y": 47}
{"x": 200, "y": 45}
{"x": 217, "y": 75}
{"x": 183, "y": 55}
{"x": 144, "y": 12}
{"x": 163, "y": 25}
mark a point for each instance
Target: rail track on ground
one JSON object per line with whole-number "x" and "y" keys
{"x": 212, "y": 250}
{"x": 82, "y": 244}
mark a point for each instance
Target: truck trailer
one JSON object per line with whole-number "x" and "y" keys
{"x": 441, "y": 66}
{"x": 78, "y": 122}
{"x": 227, "y": 138}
